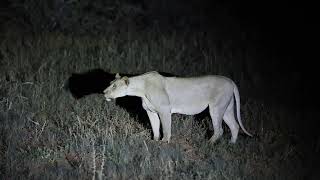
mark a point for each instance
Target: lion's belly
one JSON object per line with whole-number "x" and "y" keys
{"x": 189, "y": 109}
{"x": 188, "y": 103}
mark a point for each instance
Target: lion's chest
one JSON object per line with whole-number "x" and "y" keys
{"x": 146, "y": 104}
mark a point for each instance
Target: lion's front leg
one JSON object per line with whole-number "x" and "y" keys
{"x": 165, "y": 118}
{"x": 155, "y": 124}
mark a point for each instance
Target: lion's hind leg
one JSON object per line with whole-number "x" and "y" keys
{"x": 229, "y": 119}
{"x": 216, "y": 115}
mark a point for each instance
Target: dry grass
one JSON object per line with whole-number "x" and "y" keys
{"x": 47, "y": 134}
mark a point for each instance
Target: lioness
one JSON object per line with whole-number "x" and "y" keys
{"x": 162, "y": 96}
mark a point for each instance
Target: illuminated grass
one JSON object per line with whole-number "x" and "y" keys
{"x": 47, "y": 134}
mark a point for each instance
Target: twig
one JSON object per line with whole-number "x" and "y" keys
{"x": 100, "y": 172}
{"x": 42, "y": 128}
{"x": 34, "y": 122}
{"x": 93, "y": 161}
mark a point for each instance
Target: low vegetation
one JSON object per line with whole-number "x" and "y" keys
{"x": 48, "y": 134}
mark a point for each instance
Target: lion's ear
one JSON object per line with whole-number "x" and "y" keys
{"x": 126, "y": 80}
{"x": 118, "y": 76}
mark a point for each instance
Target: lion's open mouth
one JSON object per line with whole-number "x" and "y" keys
{"x": 108, "y": 99}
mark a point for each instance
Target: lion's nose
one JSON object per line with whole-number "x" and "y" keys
{"x": 105, "y": 91}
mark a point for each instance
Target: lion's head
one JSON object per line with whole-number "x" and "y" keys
{"x": 117, "y": 88}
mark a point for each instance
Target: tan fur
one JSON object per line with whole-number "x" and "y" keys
{"x": 162, "y": 96}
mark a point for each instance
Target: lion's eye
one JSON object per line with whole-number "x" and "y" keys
{"x": 114, "y": 86}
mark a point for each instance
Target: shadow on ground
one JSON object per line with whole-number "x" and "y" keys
{"x": 96, "y": 80}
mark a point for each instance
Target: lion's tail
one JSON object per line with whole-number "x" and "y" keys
{"x": 237, "y": 98}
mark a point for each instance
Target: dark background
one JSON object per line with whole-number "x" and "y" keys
{"x": 280, "y": 36}
{"x": 280, "y": 31}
